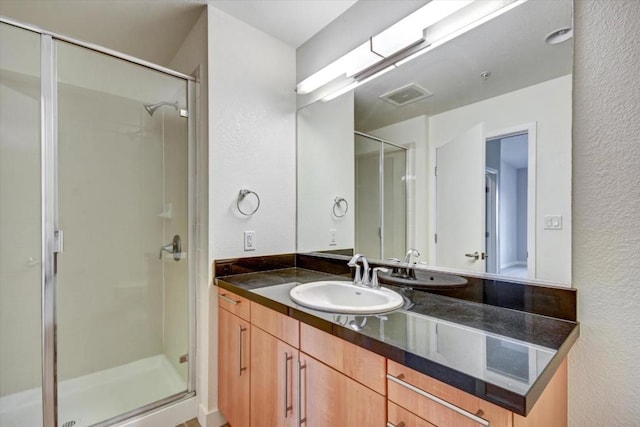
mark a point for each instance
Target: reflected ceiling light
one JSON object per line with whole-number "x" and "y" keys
{"x": 465, "y": 21}
{"x": 399, "y": 36}
{"x": 356, "y": 83}
{"x": 443, "y": 21}
{"x": 559, "y": 36}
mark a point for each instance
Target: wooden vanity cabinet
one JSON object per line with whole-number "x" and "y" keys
{"x": 233, "y": 367}
{"x": 341, "y": 384}
{"x": 275, "y": 371}
{"x": 274, "y": 359}
{"x": 433, "y": 402}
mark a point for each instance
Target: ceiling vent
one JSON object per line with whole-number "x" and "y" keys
{"x": 406, "y": 95}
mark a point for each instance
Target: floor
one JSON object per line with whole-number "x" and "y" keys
{"x": 191, "y": 423}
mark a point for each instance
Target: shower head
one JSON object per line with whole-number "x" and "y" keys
{"x": 151, "y": 108}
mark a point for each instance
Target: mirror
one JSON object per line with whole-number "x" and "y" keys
{"x": 463, "y": 153}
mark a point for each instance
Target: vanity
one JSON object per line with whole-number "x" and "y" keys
{"x": 438, "y": 361}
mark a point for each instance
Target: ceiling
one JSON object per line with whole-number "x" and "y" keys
{"x": 154, "y": 30}
{"x": 511, "y": 47}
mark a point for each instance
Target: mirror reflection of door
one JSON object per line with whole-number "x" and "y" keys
{"x": 459, "y": 198}
{"x": 508, "y": 210}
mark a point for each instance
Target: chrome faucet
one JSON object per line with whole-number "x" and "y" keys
{"x": 375, "y": 284}
{"x": 410, "y": 252}
{"x": 410, "y": 272}
{"x": 363, "y": 278}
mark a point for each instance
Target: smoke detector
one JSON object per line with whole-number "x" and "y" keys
{"x": 406, "y": 95}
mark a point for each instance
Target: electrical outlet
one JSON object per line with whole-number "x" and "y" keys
{"x": 250, "y": 240}
{"x": 332, "y": 238}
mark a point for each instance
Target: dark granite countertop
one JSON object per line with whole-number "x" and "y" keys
{"x": 501, "y": 355}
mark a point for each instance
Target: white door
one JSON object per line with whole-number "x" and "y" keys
{"x": 460, "y": 211}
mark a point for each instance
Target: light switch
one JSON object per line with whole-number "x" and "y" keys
{"x": 553, "y": 222}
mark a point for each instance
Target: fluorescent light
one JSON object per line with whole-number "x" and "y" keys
{"x": 395, "y": 38}
{"x": 411, "y": 29}
{"x": 469, "y": 19}
{"x": 437, "y": 17}
{"x": 351, "y": 86}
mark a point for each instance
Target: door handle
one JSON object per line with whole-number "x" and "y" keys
{"x": 474, "y": 255}
{"x": 175, "y": 248}
{"x": 477, "y": 255}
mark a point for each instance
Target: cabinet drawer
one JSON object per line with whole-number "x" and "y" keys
{"x": 355, "y": 362}
{"x": 398, "y": 416}
{"x": 277, "y": 324}
{"x": 234, "y": 303}
{"x": 440, "y": 403}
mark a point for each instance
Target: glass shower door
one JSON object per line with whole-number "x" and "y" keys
{"x": 20, "y": 229}
{"x": 381, "y": 198}
{"x": 122, "y": 203}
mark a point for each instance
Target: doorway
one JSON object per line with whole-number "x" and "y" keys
{"x": 508, "y": 210}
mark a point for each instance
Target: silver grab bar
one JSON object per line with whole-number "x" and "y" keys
{"x": 240, "y": 368}
{"x": 436, "y": 399}
{"x": 226, "y": 298}
{"x": 286, "y": 383}
{"x": 300, "y": 419}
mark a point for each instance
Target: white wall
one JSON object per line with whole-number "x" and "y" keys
{"x": 508, "y": 215}
{"x": 549, "y": 105}
{"x": 251, "y": 120}
{"x": 325, "y": 135}
{"x": 603, "y": 365}
{"x": 252, "y": 131}
{"x": 412, "y": 134}
{"x": 522, "y": 178}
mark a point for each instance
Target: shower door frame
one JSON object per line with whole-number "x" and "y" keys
{"x": 381, "y": 205}
{"x": 52, "y": 238}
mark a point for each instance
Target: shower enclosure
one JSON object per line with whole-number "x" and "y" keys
{"x": 381, "y": 197}
{"x": 97, "y": 319}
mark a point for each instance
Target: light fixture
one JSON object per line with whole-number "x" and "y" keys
{"x": 427, "y": 28}
{"x": 467, "y": 20}
{"x": 356, "y": 83}
{"x": 399, "y": 36}
{"x": 559, "y": 36}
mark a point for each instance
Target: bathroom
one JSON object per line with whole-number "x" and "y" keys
{"x": 248, "y": 109}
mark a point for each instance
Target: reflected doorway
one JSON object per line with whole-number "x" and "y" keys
{"x": 507, "y": 206}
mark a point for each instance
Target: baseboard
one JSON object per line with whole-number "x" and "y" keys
{"x": 210, "y": 419}
{"x": 169, "y": 416}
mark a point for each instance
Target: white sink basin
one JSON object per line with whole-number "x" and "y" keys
{"x": 345, "y": 297}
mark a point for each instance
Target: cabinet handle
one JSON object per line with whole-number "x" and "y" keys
{"x": 436, "y": 399}
{"x": 231, "y": 300}
{"x": 286, "y": 383}
{"x": 300, "y": 419}
{"x": 240, "y": 368}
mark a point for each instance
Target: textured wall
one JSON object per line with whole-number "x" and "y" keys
{"x": 252, "y": 137}
{"x": 603, "y": 366}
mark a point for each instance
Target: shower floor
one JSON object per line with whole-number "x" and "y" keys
{"x": 98, "y": 396}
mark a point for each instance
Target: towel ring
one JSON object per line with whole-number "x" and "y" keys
{"x": 241, "y": 195}
{"x": 337, "y": 201}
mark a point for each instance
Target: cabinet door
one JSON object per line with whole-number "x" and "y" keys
{"x": 398, "y": 416}
{"x": 329, "y": 398}
{"x": 440, "y": 403}
{"x": 273, "y": 381}
{"x": 233, "y": 368}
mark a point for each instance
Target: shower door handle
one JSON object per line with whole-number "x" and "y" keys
{"x": 175, "y": 248}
